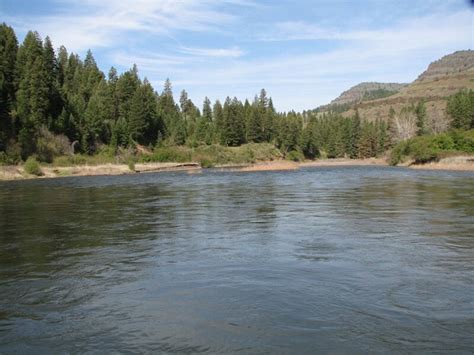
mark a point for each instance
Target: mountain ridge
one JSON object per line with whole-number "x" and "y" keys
{"x": 442, "y": 78}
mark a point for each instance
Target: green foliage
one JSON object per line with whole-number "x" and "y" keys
{"x": 378, "y": 94}
{"x": 49, "y": 99}
{"x": 295, "y": 155}
{"x": 423, "y": 149}
{"x": 461, "y": 109}
{"x": 169, "y": 154}
{"x": 206, "y": 163}
{"x": 32, "y": 167}
{"x": 49, "y": 146}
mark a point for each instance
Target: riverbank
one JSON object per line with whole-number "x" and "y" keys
{"x": 458, "y": 163}
{"x": 18, "y": 172}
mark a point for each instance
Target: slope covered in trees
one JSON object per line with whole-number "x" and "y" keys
{"x": 54, "y": 103}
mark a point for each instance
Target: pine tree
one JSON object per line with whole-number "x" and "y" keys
{"x": 8, "y": 53}
{"x": 126, "y": 87}
{"x": 143, "y": 115}
{"x": 254, "y": 126}
{"x": 204, "y": 126}
{"x": 218, "y": 117}
{"x": 460, "y": 108}
{"x": 355, "y": 136}
{"x": 98, "y": 117}
{"x": 169, "y": 114}
{"x": 33, "y": 91}
{"x": 52, "y": 73}
{"x": 420, "y": 111}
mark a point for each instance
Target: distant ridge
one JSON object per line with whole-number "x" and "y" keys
{"x": 442, "y": 78}
{"x": 359, "y": 91}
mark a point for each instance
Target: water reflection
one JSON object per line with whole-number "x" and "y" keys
{"x": 347, "y": 259}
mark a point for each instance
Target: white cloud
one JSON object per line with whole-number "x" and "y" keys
{"x": 102, "y": 23}
{"x": 395, "y": 54}
{"x": 232, "y": 52}
{"x": 307, "y": 77}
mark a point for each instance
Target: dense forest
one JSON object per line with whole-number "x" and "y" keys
{"x": 54, "y": 103}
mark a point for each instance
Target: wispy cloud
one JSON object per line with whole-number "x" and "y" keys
{"x": 397, "y": 53}
{"x": 235, "y": 47}
{"x": 92, "y": 24}
{"x": 232, "y": 52}
{"x": 434, "y": 28}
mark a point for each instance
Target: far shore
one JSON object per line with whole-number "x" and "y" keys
{"x": 460, "y": 163}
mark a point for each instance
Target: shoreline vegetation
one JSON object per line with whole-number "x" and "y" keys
{"x": 61, "y": 115}
{"x": 17, "y": 172}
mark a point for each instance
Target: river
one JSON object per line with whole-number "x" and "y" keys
{"x": 337, "y": 259}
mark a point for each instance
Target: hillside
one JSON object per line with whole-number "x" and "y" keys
{"x": 441, "y": 79}
{"x": 361, "y": 91}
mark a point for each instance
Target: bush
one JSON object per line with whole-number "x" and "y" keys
{"x": 49, "y": 145}
{"x": 423, "y": 150}
{"x": 169, "y": 154}
{"x": 131, "y": 165}
{"x": 295, "y": 155}
{"x": 32, "y": 167}
{"x": 12, "y": 154}
{"x": 206, "y": 163}
{"x": 428, "y": 148}
{"x": 3, "y": 158}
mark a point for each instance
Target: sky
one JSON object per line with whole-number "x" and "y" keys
{"x": 303, "y": 52}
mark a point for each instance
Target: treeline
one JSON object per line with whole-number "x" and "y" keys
{"x": 54, "y": 103}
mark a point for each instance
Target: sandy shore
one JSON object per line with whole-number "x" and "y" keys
{"x": 458, "y": 163}
{"x": 345, "y": 162}
{"x": 18, "y": 173}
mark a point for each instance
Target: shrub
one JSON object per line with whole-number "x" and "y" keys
{"x": 422, "y": 149}
{"x": 295, "y": 155}
{"x": 12, "y": 154}
{"x": 428, "y": 148}
{"x": 169, "y": 154}
{"x": 131, "y": 165}
{"x": 3, "y": 158}
{"x": 206, "y": 163}
{"x": 49, "y": 145}
{"x": 32, "y": 167}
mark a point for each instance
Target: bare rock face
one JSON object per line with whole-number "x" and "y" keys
{"x": 452, "y": 64}
{"x": 357, "y": 93}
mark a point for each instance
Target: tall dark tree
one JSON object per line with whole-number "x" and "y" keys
{"x": 33, "y": 91}
{"x": 420, "y": 112}
{"x": 8, "y": 53}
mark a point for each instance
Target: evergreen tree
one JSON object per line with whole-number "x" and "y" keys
{"x": 460, "y": 108}
{"x": 33, "y": 91}
{"x": 218, "y": 117}
{"x": 99, "y": 115}
{"x": 354, "y": 136}
{"x": 255, "y": 124}
{"x": 204, "y": 131}
{"x": 169, "y": 114}
{"x": 420, "y": 111}
{"x": 8, "y": 53}
{"x": 143, "y": 115}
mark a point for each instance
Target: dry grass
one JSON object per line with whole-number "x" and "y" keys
{"x": 271, "y": 166}
{"x": 345, "y": 162}
{"x": 456, "y": 163}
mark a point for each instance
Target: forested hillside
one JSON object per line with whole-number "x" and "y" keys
{"x": 54, "y": 103}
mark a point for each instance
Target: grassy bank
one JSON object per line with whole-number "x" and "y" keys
{"x": 206, "y": 156}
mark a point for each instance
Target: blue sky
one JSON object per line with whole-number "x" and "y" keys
{"x": 304, "y": 53}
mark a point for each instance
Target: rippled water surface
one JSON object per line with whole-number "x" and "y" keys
{"x": 351, "y": 260}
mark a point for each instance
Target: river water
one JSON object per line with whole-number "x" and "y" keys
{"x": 339, "y": 260}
